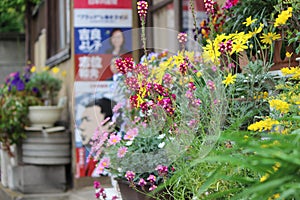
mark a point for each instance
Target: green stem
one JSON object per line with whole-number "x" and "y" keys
{"x": 143, "y": 37}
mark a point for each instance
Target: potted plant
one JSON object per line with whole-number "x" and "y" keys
{"x": 15, "y": 100}
{"x": 45, "y": 85}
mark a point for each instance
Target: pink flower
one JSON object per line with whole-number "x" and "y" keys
{"x": 191, "y": 86}
{"x": 231, "y": 65}
{"x": 130, "y": 175}
{"x": 192, "y": 123}
{"x": 97, "y": 184}
{"x": 162, "y": 170}
{"x": 142, "y": 182}
{"x": 114, "y": 198}
{"x": 153, "y": 187}
{"x": 151, "y": 178}
{"x": 104, "y": 162}
{"x": 99, "y": 169}
{"x": 211, "y": 85}
{"x": 131, "y": 134}
{"x": 97, "y": 195}
{"x": 182, "y": 38}
{"x": 167, "y": 79}
{"x": 117, "y": 107}
{"x": 214, "y": 68}
{"x": 122, "y": 151}
{"x": 114, "y": 139}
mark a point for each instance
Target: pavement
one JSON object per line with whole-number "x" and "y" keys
{"x": 86, "y": 193}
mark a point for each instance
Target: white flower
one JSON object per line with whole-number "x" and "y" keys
{"x": 129, "y": 143}
{"x": 161, "y": 136}
{"x": 161, "y": 145}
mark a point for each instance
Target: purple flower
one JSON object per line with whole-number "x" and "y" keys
{"x": 17, "y": 82}
{"x": 151, "y": 178}
{"x": 130, "y": 175}
{"x": 142, "y": 182}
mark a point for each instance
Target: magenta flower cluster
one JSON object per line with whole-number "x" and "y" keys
{"x": 142, "y": 8}
{"x": 191, "y": 96}
{"x": 182, "y": 38}
{"x": 225, "y": 47}
{"x": 151, "y": 180}
{"x": 100, "y": 192}
{"x": 209, "y": 6}
{"x": 124, "y": 65}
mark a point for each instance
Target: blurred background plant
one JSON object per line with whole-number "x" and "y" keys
{"x": 14, "y": 101}
{"x": 45, "y": 84}
{"x": 12, "y": 14}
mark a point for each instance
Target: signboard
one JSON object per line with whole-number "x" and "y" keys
{"x": 101, "y": 34}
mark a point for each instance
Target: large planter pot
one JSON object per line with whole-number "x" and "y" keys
{"x": 280, "y": 62}
{"x": 44, "y": 116}
{"x": 129, "y": 193}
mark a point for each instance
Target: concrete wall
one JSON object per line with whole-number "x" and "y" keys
{"x": 12, "y": 53}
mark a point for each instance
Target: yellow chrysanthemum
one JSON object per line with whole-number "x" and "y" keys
{"x": 279, "y": 105}
{"x": 229, "y": 79}
{"x": 263, "y": 125}
{"x": 269, "y": 37}
{"x": 283, "y": 17}
{"x": 249, "y": 21}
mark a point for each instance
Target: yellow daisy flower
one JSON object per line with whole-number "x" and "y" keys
{"x": 269, "y": 37}
{"x": 229, "y": 79}
{"x": 249, "y": 21}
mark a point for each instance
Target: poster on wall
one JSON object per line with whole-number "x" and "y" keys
{"x": 102, "y": 33}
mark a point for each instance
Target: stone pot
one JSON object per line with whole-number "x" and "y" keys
{"x": 44, "y": 116}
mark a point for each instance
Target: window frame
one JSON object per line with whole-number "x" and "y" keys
{"x": 58, "y": 50}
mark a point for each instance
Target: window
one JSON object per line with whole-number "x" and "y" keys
{"x": 58, "y": 31}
